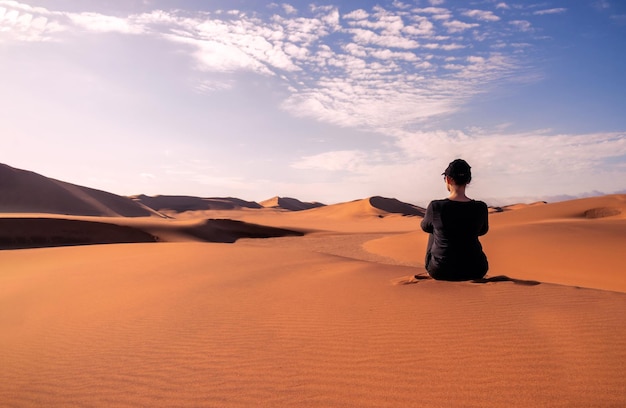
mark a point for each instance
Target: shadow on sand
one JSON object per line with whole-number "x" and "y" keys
{"x": 411, "y": 280}
{"x": 504, "y": 278}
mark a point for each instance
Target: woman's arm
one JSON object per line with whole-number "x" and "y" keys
{"x": 485, "y": 217}
{"x": 427, "y": 221}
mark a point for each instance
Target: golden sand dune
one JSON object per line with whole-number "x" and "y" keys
{"x": 613, "y": 206}
{"x": 372, "y": 206}
{"x": 556, "y": 242}
{"x": 325, "y": 314}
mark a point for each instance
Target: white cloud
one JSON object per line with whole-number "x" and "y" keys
{"x": 358, "y": 14}
{"x": 437, "y": 13}
{"x": 103, "y": 23}
{"x": 502, "y": 5}
{"x": 25, "y": 23}
{"x": 508, "y": 163}
{"x": 343, "y": 160}
{"x": 289, "y": 9}
{"x": 365, "y": 37}
{"x": 421, "y": 27}
{"x": 401, "y": 5}
{"x": 380, "y": 75}
{"x": 456, "y": 26}
{"x": 385, "y": 72}
{"x": 550, "y": 11}
{"x": 521, "y": 25}
{"x": 481, "y": 15}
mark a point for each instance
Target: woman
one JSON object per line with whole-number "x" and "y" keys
{"x": 454, "y": 224}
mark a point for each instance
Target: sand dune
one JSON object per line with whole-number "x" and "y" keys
{"x": 39, "y": 231}
{"x": 191, "y": 324}
{"x": 288, "y": 203}
{"x": 556, "y": 242}
{"x": 372, "y": 206}
{"x": 27, "y": 192}
{"x": 517, "y": 206}
{"x": 179, "y": 204}
{"x": 323, "y": 312}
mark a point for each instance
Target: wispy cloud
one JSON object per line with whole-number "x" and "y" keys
{"x": 25, "y": 23}
{"x": 381, "y": 68}
{"x": 102, "y": 23}
{"x": 522, "y": 25}
{"x": 550, "y": 11}
{"x": 481, "y": 15}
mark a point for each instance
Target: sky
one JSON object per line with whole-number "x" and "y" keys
{"x": 326, "y": 101}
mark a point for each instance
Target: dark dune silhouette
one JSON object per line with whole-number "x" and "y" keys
{"x": 288, "y": 203}
{"x": 23, "y": 191}
{"x": 394, "y": 206}
{"x": 181, "y": 204}
{"x": 24, "y": 232}
{"x": 229, "y": 231}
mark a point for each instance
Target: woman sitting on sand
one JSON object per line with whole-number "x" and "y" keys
{"x": 454, "y": 224}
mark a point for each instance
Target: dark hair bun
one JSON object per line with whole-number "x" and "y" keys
{"x": 459, "y": 171}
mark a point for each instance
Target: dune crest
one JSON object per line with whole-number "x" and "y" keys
{"x": 394, "y": 206}
{"x": 376, "y": 206}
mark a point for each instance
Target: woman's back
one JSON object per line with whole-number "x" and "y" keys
{"x": 456, "y": 226}
{"x": 454, "y": 251}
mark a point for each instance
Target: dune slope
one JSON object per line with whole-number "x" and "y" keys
{"x": 27, "y": 192}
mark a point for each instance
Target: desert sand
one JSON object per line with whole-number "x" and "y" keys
{"x": 322, "y": 312}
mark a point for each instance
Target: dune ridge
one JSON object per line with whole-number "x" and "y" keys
{"x": 28, "y": 192}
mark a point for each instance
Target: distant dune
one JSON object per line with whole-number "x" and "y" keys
{"x": 377, "y": 206}
{"x": 181, "y": 204}
{"x": 287, "y": 203}
{"x": 516, "y": 206}
{"x": 23, "y": 191}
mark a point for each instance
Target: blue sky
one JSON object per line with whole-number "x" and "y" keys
{"x": 324, "y": 101}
